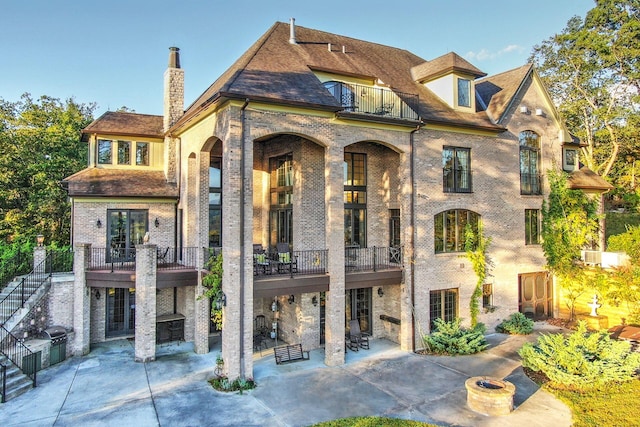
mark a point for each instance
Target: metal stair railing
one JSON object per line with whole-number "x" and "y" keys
{"x": 18, "y": 265}
{"x": 28, "y": 286}
{"x": 18, "y": 353}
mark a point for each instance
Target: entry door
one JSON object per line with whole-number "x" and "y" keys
{"x": 358, "y": 307}
{"x": 121, "y": 312}
{"x": 125, "y": 229}
{"x": 536, "y": 298}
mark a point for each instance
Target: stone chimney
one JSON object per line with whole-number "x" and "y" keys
{"x": 173, "y": 89}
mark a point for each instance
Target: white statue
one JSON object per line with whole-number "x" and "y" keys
{"x": 594, "y": 306}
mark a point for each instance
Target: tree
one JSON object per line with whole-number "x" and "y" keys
{"x": 592, "y": 71}
{"x": 39, "y": 146}
{"x": 570, "y": 223}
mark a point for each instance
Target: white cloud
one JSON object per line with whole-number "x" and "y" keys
{"x": 485, "y": 54}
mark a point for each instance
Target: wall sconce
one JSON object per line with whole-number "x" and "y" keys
{"x": 97, "y": 294}
{"x": 291, "y": 299}
{"x": 98, "y": 223}
{"x": 40, "y": 239}
{"x": 156, "y": 223}
{"x": 380, "y": 292}
{"x": 221, "y": 300}
{"x": 314, "y": 301}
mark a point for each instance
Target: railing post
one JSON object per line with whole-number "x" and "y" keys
{"x": 4, "y": 382}
{"x": 22, "y": 293}
{"x": 375, "y": 258}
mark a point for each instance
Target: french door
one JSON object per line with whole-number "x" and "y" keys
{"x": 536, "y": 297}
{"x": 121, "y": 312}
{"x": 125, "y": 229}
{"x": 358, "y": 307}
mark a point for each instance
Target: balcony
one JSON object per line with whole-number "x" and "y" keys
{"x": 116, "y": 268}
{"x": 530, "y": 184}
{"x": 375, "y": 101}
{"x": 308, "y": 271}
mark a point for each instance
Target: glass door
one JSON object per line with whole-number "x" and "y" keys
{"x": 121, "y": 312}
{"x": 125, "y": 229}
{"x": 358, "y": 307}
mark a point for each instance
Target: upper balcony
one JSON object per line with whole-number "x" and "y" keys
{"x": 374, "y": 101}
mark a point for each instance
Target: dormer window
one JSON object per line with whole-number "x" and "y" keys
{"x": 464, "y": 93}
{"x": 122, "y": 152}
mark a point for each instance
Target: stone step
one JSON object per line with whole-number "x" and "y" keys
{"x": 17, "y": 382}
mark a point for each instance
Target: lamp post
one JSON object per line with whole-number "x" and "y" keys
{"x": 40, "y": 240}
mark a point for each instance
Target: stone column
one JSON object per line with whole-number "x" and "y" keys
{"x": 39, "y": 255}
{"x": 334, "y": 207}
{"x": 145, "y": 342}
{"x": 81, "y": 300}
{"x": 201, "y": 313}
{"x": 406, "y": 298}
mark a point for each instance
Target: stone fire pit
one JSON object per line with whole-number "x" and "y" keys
{"x": 490, "y": 396}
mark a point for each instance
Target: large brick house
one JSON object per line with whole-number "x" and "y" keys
{"x": 337, "y": 177}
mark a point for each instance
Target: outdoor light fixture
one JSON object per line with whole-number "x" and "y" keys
{"x": 98, "y": 223}
{"x": 292, "y": 299}
{"x": 380, "y": 292}
{"x": 40, "y": 239}
{"x": 274, "y": 305}
{"x": 314, "y": 301}
{"x": 221, "y": 300}
{"x": 157, "y": 223}
{"x": 97, "y": 294}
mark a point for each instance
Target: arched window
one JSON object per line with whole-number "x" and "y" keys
{"x": 449, "y": 229}
{"x": 529, "y": 163}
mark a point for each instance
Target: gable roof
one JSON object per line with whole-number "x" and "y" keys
{"x": 99, "y": 182}
{"x": 498, "y": 91}
{"x": 450, "y": 62}
{"x": 586, "y": 179}
{"x": 274, "y": 70}
{"x": 126, "y": 124}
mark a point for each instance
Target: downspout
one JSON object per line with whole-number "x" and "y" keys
{"x": 242, "y": 232}
{"x": 413, "y": 233}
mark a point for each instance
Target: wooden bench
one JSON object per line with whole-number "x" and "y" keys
{"x": 290, "y": 353}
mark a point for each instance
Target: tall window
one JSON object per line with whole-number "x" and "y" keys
{"x": 443, "y": 304}
{"x": 456, "y": 170}
{"x": 142, "y": 153}
{"x": 124, "y": 152}
{"x": 355, "y": 199}
{"x": 449, "y": 229}
{"x": 104, "y": 151}
{"x": 125, "y": 229}
{"x": 215, "y": 202}
{"x": 281, "y": 169}
{"x": 464, "y": 93}
{"x": 532, "y": 226}
{"x": 529, "y": 163}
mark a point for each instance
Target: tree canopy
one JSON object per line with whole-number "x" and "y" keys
{"x": 592, "y": 71}
{"x": 39, "y": 146}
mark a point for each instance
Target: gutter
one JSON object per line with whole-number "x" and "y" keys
{"x": 413, "y": 232}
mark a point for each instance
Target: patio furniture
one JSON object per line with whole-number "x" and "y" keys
{"x": 261, "y": 264}
{"x": 286, "y": 262}
{"x": 289, "y": 353}
{"x": 162, "y": 256}
{"x": 357, "y": 339}
{"x": 260, "y": 326}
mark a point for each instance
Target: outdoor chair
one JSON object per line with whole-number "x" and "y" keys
{"x": 356, "y": 338}
{"x": 287, "y": 262}
{"x": 260, "y": 326}
{"x": 162, "y": 256}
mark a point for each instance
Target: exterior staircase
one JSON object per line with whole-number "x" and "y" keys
{"x": 15, "y": 382}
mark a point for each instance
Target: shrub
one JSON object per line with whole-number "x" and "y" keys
{"x": 581, "y": 360}
{"x": 222, "y": 383}
{"x": 451, "y": 338}
{"x": 516, "y": 324}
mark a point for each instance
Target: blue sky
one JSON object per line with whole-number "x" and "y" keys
{"x": 114, "y": 52}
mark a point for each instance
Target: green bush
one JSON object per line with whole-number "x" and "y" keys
{"x": 222, "y": 383}
{"x": 450, "y": 338}
{"x": 516, "y": 324}
{"x": 581, "y": 360}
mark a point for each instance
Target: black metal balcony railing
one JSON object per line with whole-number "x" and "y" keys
{"x": 376, "y": 101}
{"x": 315, "y": 262}
{"x": 530, "y": 184}
{"x": 375, "y": 258}
{"x": 125, "y": 260}
{"x": 456, "y": 180}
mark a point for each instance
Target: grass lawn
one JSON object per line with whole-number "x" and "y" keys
{"x": 612, "y": 406}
